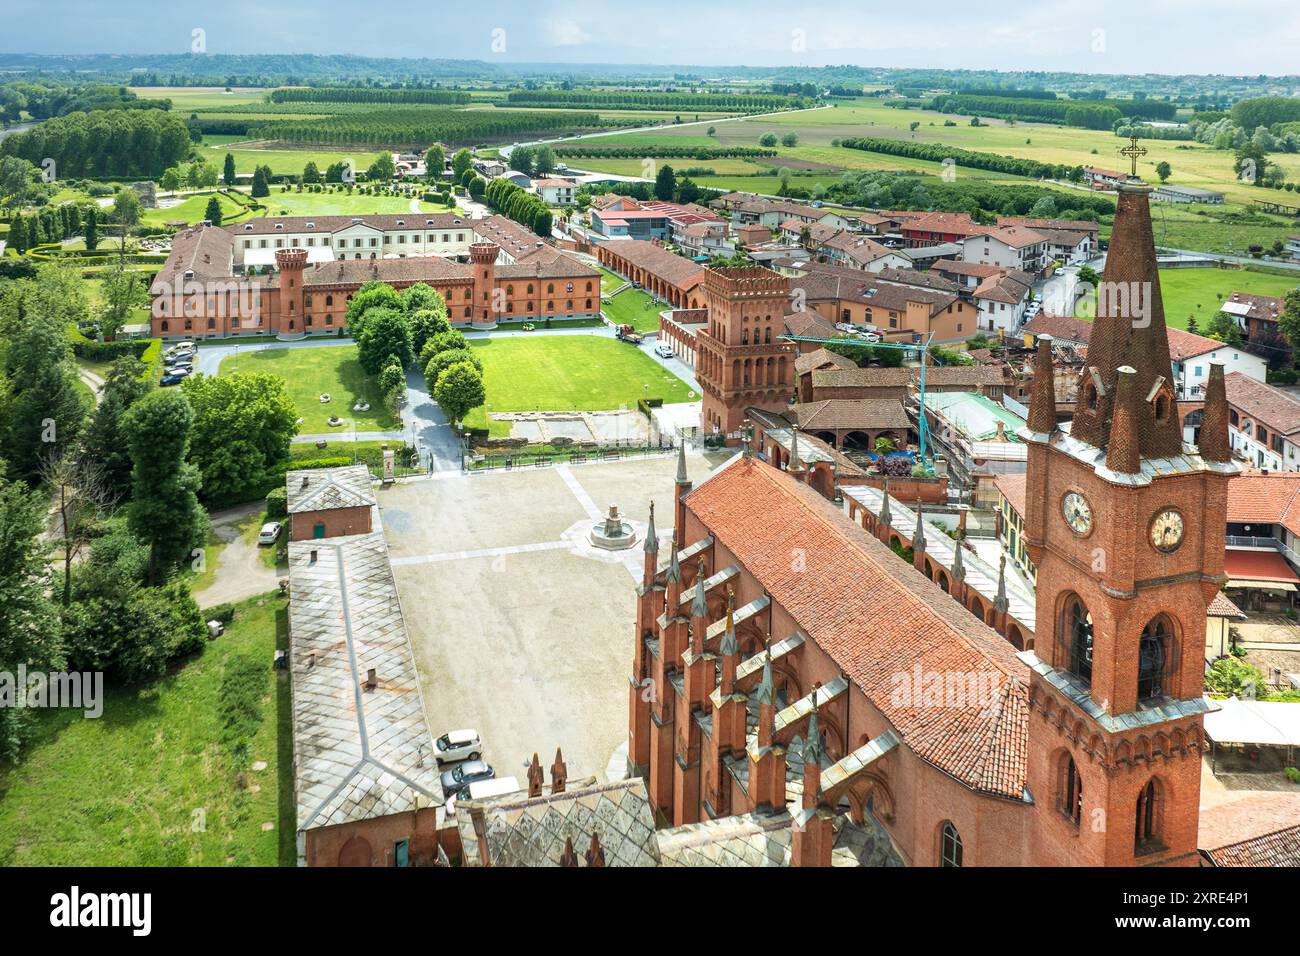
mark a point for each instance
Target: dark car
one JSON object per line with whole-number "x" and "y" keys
{"x": 171, "y": 380}
{"x": 471, "y": 771}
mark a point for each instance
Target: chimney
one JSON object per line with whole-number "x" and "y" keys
{"x": 313, "y": 556}
{"x": 559, "y": 773}
{"x": 305, "y": 482}
{"x": 372, "y": 679}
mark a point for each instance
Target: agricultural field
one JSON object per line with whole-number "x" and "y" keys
{"x": 1201, "y": 292}
{"x": 567, "y": 372}
{"x": 310, "y": 372}
{"x": 189, "y": 98}
{"x": 250, "y": 154}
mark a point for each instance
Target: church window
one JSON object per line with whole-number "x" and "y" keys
{"x": 1162, "y": 407}
{"x": 1146, "y": 834}
{"x": 1090, "y": 396}
{"x": 1077, "y": 633}
{"x": 950, "y": 848}
{"x": 1155, "y": 653}
{"x": 1070, "y": 790}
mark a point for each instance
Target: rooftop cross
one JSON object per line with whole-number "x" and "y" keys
{"x": 1133, "y": 151}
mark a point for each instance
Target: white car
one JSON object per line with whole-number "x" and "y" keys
{"x": 844, "y": 327}
{"x": 458, "y": 745}
{"x": 664, "y": 351}
{"x": 270, "y": 533}
{"x": 870, "y": 336}
{"x": 1059, "y": 272}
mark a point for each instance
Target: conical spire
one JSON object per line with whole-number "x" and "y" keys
{"x": 918, "y": 539}
{"x": 766, "y": 692}
{"x": 958, "y": 563}
{"x": 699, "y": 611}
{"x": 812, "y": 746}
{"x": 651, "y": 538}
{"x": 535, "y": 777}
{"x": 1042, "y": 402}
{"x": 568, "y": 858}
{"x": 1214, "y": 445}
{"x": 886, "y": 518}
{"x": 796, "y": 466}
{"x": 1123, "y": 454}
{"x": 682, "y": 478}
{"x": 1000, "y": 602}
{"x": 729, "y": 647}
{"x": 1129, "y": 330}
{"x": 674, "y": 569}
{"x": 595, "y": 854}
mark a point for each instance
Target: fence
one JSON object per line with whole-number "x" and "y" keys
{"x": 571, "y": 456}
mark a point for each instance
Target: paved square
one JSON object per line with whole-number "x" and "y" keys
{"x": 521, "y": 629}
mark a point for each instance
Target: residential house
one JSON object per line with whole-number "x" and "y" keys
{"x": 556, "y": 192}
{"x": 1011, "y": 247}
{"x": 1264, "y": 423}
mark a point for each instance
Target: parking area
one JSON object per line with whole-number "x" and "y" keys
{"x": 521, "y": 628}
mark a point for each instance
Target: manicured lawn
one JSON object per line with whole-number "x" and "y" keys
{"x": 305, "y": 203}
{"x": 248, "y": 157}
{"x": 193, "y": 209}
{"x": 309, "y": 372}
{"x": 562, "y": 372}
{"x": 149, "y": 783}
{"x": 1188, "y": 292}
{"x": 635, "y": 308}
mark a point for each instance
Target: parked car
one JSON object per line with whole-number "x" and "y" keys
{"x": 167, "y": 380}
{"x": 529, "y": 326}
{"x": 180, "y": 371}
{"x": 870, "y": 336}
{"x": 1059, "y": 272}
{"x": 664, "y": 351}
{"x": 462, "y": 775}
{"x": 458, "y": 745}
{"x": 270, "y": 533}
{"x": 844, "y": 327}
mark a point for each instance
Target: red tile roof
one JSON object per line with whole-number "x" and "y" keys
{"x": 1182, "y": 344}
{"x": 1272, "y": 406}
{"x": 1222, "y": 606}
{"x": 1013, "y": 489}
{"x": 1258, "y": 498}
{"x": 878, "y": 619}
{"x": 1259, "y": 830}
{"x": 1242, "y": 565}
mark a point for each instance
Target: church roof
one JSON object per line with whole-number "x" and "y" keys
{"x": 877, "y": 618}
{"x": 1259, "y": 830}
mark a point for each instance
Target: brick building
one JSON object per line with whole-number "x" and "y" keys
{"x": 799, "y": 666}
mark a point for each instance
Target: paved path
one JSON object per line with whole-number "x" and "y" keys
{"x": 240, "y": 571}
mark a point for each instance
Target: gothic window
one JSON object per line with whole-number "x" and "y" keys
{"x": 1070, "y": 790}
{"x": 949, "y": 845}
{"x": 1090, "y": 396}
{"x": 1146, "y": 835}
{"x": 1077, "y": 635}
{"x": 1155, "y": 654}
{"x": 1162, "y": 407}
{"x": 744, "y": 336}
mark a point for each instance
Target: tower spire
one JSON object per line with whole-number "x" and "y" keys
{"x": 651, "y": 538}
{"x": 1000, "y": 602}
{"x": 918, "y": 538}
{"x": 886, "y": 519}
{"x": 730, "y": 649}
{"x": 1122, "y": 451}
{"x": 1129, "y": 329}
{"x": 1213, "y": 437}
{"x": 795, "y": 467}
{"x": 1042, "y": 402}
{"x": 958, "y": 563}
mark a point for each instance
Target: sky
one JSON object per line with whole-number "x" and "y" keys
{"x": 1097, "y": 36}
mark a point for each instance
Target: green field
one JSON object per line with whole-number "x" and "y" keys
{"x": 249, "y": 155}
{"x": 632, "y": 307}
{"x": 568, "y": 372}
{"x": 1201, "y": 292}
{"x": 149, "y": 783}
{"x": 310, "y": 372}
{"x": 200, "y": 97}
{"x": 193, "y": 208}
{"x": 304, "y": 203}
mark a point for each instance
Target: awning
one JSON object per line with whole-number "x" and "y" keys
{"x": 1260, "y": 568}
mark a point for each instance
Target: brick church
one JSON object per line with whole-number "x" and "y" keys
{"x": 793, "y": 673}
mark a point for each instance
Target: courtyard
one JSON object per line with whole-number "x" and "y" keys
{"x": 521, "y": 629}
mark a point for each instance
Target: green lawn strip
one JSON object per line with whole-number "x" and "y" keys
{"x": 311, "y": 372}
{"x": 635, "y": 308}
{"x": 150, "y": 782}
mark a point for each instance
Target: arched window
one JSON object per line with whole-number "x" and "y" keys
{"x": 1077, "y": 639}
{"x": 1146, "y": 835}
{"x": 1155, "y": 654}
{"x": 1070, "y": 790}
{"x": 949, "y": 845}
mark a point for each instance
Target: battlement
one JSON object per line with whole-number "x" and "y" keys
{"x": 483, "y": 252}
{"x": 290, "y": 259}
{"x": 744, "y": 282}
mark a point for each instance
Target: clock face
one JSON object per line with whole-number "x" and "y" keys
{"x": 1167, "y": 530}
{"x": 1077, "y": 512}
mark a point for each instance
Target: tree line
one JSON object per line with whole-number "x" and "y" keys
{"x": 105, "y": 143}
{"x": 420, "y": 127}
{"x": 336, "y": 94}
{"x": 937, "y": 153}
{"x": 655, "y": 100}
{"x": 525, "y": 208}
{"x": 659, "y": 151}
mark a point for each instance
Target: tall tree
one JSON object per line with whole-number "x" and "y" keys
{"x": 121, "y": 292}
{"x": 462, "y": 161}
{"x": 213, "y": 212}
{"x": 104, "y": 441}
{"x": 46, "y": 411}
{"x": 79, "y": 496}
{"x": 164, "y": 511}
{"x": 665, "y": 183}
{"x": 261, "y": 187}
{"x": 459, "y": 391}
{"x": 228, "y": 173}
{"x": 385, "y": 338}
{"x": 243, "y": 424}
{"x": 91, "y": 228}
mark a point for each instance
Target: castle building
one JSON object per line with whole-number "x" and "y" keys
{"x": 788, "y": 661}
{"x": 294, "y": 276}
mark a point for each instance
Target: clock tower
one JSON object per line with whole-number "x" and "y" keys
{"x": 1125, "y": 524}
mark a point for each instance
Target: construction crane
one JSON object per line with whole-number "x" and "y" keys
{"x": 922, "y": 348}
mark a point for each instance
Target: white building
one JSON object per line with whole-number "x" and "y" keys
{"x": 1192, "y": 354}
{"x": 555, "y": 192}
{"x": 1263, "y": 424}
{"x": 1011, "y": 247}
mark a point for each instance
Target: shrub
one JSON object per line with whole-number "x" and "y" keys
{"x": 447, "y": 358}
{"x": 1292, "y": 774}
{"x": 225, "y": 613}
{"x": 277, "y": 504}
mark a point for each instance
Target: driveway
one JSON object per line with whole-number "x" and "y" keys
{"x": 240, "y": 572}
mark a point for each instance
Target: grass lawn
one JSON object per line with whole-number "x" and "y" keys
{"x": 149, "y": 783}
{"x": 339, "y": 204}
{"x": 562, "y": 372}
{"x": 249, "y": 154}
{"x": 309, "y": 372}
{"x": 635, "y": 308}
{"x": 193, "y": 209}
{"x": 1188, "y": 292}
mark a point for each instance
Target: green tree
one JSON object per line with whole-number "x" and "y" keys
{"x": 441, "y": 361}
{"x": 1236, "y": 678}
{"x": 213, "y": 212}
{"x": 164, "y": 511}
{"x": 243, "y": 424}
{"x": 1288, "y": 321}
{"x": 459, "y": 390}
{"x": 121, "y": 292}
{"x": 460, "y": 162}
{"x": 46, "y": 411}
{"x": 30, "y": 630}
{"x": 370, "y": 295}
{"x": 127, "y": 210}
{"x": 104, "y": 442}
{"x": 90, "y": 229}
{"x": 385, "y": 338}
{"x": 391, "y": 379}
{"x": 261, "y": 186}
{"x": 790, "y": 139}
{"x": 767, "y": 139}
{"x": 441, "y": 342}
{"x": 133, "y": 634}
{"x": 1164, "y": 170}
{"x": 665, "y": 183}
{"x": 544, "y": 160}
{"x": 435, "y": 161}
{"x": 382, "y": 170}
{"x": 18, "y": 234}
{"x": 228, "y": 173}
{"x": 311, "y": 173}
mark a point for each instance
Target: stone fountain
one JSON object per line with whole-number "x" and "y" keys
{"x": 613, "y": 533}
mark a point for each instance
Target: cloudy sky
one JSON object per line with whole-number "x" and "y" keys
{"x": 1099, "y": 36}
